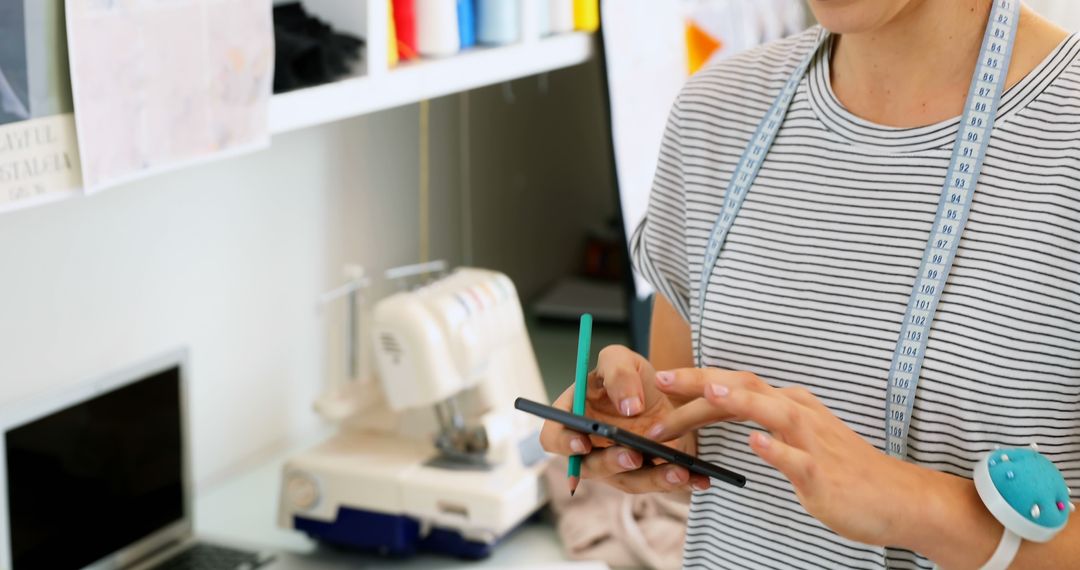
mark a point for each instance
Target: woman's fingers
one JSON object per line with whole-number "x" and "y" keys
{"x": 609, "y": 461}
{"x": 555, "y": 438}
{"x": 795, "y": 464}
{"x": 691, "y": 382}
{"x": 658, "y": 479}
{"x": 620, "y": 370}
{"x": 772, "y": 410}
{"x": 680, "y": 421}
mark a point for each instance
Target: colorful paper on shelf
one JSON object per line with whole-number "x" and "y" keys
{"x": 392, "y": 56}
{"x": 159, "y": 85}
{"x": 467, "y": 22}
{"x": 498, "y": 21}
{"x": 700, "y": 46}
{"x": 587, "y": 15}
{"x": 437, "y": 33}
{"x": 405, "y": 24}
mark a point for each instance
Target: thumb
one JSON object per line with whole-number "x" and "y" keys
{"x": 628, "y": 380}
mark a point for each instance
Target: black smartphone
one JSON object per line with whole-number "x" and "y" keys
{"x": 647, "y": 447}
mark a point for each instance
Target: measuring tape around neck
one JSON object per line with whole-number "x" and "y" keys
{"x": 969, "y": 151}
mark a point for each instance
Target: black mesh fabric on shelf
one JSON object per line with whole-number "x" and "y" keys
{"x": 308, "y": 51}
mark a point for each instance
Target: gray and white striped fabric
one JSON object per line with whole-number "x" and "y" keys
{"x": 812, "y": 284}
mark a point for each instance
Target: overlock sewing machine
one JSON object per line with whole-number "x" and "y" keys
{"x": 431, "y": 454}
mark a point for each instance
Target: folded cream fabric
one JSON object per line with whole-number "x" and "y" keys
{"x": 626, "y": 531}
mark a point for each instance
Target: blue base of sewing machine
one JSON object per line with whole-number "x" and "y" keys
{"x": 390, "y": 535}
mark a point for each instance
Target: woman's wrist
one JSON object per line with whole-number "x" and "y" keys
{"x": 947, "y": 522}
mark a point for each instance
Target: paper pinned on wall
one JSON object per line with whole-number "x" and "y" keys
{"x": 39, "y": 161}
{"x": 160, "y": 84}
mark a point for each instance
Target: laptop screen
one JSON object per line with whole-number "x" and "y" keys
{"x": 92, "y": 479}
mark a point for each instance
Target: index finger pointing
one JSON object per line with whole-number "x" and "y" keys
{"x": 691, "y": 382}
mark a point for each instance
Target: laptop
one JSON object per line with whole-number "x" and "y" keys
{"x": 99, "y": 477}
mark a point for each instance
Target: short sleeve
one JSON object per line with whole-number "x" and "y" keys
{"x": 658, "y": 245}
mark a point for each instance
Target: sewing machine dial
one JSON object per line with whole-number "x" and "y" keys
{"x": 302, "y": 491}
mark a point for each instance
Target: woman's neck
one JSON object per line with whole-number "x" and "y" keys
{"x": 916, "y": 69}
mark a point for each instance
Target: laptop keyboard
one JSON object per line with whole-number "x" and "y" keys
{"x": 210, "y": 557}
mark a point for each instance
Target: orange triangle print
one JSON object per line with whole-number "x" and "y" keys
{"x": 700, "y": 46}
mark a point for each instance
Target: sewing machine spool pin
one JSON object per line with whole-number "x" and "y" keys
{"x": 402, "y": 275}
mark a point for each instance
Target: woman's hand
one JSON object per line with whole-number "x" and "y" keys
{"x": 622, "y": 391}
{"x": 842, "y": 480}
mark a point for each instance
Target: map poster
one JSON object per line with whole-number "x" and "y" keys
{"x": 161, "y": 84}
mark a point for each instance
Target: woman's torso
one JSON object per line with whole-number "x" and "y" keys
{"x": 814, "y": 278}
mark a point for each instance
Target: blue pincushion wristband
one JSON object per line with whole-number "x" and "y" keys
{"x": 1025, "y": 492}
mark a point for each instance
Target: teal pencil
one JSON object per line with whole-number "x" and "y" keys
{"x": 581, "y": 372}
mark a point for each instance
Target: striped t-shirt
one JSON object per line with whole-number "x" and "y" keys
{"x": 815, "y": 276}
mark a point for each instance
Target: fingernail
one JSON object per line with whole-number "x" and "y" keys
{"x": 699, "y": 486}
{"x": 630, "y": 406}
{"x": 673, "y": 476}
{"x": 719, "y": 390}
{"x": 763, "y": 440}
{"x": 577, "y": 445}
{"x": 665, "y": 378}
{"x": 655, "y": 431}
{"x": 626, "y": 461}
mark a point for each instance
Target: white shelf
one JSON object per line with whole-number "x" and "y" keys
{"x": 425, "y": 79}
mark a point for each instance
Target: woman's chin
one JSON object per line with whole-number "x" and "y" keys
{"x": 856, "y": 16}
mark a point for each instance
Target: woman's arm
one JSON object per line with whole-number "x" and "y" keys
{"x": 847, "y": 483}
{"x": 952, "y": 527}
{"x": 669, "y": 337}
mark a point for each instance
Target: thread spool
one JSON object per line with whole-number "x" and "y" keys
{"x": 542, "y": 10}
{"x": 392, "y": 56}
{"x": 466, "y": 10}
{"x": 587, "y": 15}
{"x": 498, "y": 21}
{"x": 437, "y": 33}
{"x": 405, "y": 26}
{"x": 561, "y": 16}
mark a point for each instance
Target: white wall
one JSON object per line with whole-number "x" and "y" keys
{"x": 1065, "y": 12}
{"x": 228, "y": 258}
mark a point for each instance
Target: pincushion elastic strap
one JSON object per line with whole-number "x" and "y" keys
{"x": 1005, "y": 553}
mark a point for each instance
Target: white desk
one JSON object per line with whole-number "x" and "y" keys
{"x": 243, "y": 510}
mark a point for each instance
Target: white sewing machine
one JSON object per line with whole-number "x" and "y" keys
{"x": 432, "y": 456}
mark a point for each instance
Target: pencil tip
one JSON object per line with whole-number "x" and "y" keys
{"x": 572, "y": 492}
